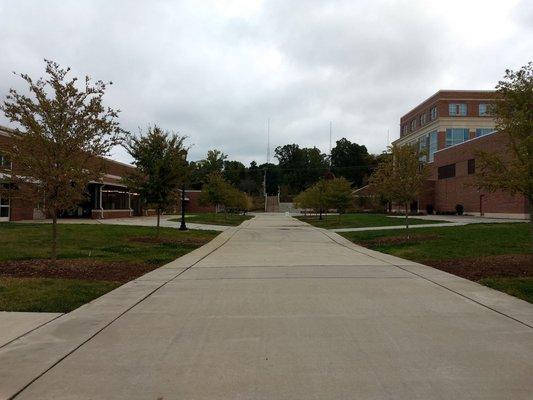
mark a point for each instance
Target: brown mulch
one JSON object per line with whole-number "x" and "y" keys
{"x": 93, "y": 270}
{"x": 501, "y": 266}
{"x": 194, "y": 241}
{"x": 400, "y": 239}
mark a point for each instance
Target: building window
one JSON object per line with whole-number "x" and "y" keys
{"x": 456, "y": 135}
{"x": 4, "y": 201}
{"x": 433, "y": 113}
{"x": 413, "y": 124}
{"x": 483, "y": 109}
{"x": 471, "y": 166}
{"x": 423, "y": 119}
{"x": 457, "y": 109}
{"x": 5, "y": 162}
{"x": 433, "y": 145}
{"x": 484, "y": 131}
{"x": 404, "y": 129}
{"x": 114, "y": 199}
{"x": 446, "y": 171}
{"x": 423, "y": 148}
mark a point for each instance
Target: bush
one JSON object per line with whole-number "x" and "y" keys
{"x": 459, "y": 209}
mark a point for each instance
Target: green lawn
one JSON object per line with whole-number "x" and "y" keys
{"x": 488, "y": 248}
{"x": 49, "y": 295}
{"x": 518, "y": 287}
{"x": 130, "y": 250}
{"x": 103, "y": 242}
{"x": 360, "y": 220}
{"x": 216, "y": 219}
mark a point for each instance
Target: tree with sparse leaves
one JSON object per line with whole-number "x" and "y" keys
{"x": 339, "y": 195}
{"x": 400, "y": 177}
{"x": 511, "y": 169}
{"x": 314, "y": 198}
{"x": 161, "y": 161}
{"x": 218, "y": 192}
{"x": 63, "y": 131}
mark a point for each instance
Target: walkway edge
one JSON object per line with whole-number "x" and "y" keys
{"x": 502, "y": 303}
{"x": 29, "y": 357}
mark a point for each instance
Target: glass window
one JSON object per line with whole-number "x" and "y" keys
{"x": 446, "y": 171}
{"x": 114, "y": 199}
{"x": 423, "y": 147}
{"x": 5, "y": 162}
{"x": 433, "y": 112}
{"x": 484, "y": 131}
{"x": 471, "y": 166}
{"x": 457, "y": 109}
{"x": 456, "y": 135}
{"x": 423, "y": 119}
{"x": 483, "y": 111}
{"x": 413, "y": 124}
{"x": 433, "y": 145}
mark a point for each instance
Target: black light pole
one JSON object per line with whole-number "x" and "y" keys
{"x": 183, "y": 227}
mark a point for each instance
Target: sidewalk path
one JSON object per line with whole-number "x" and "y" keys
{"x": 16, "y": 324}
{"x": 134, "y": 221}
{"x": 277, "y": 309}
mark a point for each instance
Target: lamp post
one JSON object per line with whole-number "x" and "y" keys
{"x": 183, "y": 227}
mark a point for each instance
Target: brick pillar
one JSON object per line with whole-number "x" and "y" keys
{"x": 441, "y": 140}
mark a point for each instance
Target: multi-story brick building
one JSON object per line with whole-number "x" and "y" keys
{"x": 451, "y": 127}
{"x": 108, "y": 198}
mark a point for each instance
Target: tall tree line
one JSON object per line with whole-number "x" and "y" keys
{"x": 297, "y": 168}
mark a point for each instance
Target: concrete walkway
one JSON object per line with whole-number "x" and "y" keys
{"x": 15, "y": 324}
{"x": 277, "y": 309}
{"x": 134, "y": 221}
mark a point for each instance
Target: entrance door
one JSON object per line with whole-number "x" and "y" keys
{"x": 4, "y": 208}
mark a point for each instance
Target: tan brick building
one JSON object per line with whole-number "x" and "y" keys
{"x": 451, "y": 126}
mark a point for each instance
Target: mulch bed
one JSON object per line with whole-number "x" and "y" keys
{"x": 181, "y": 241}
{"x": 400, "y": 239}
{"x": 501, "y": 266}
{"x": 93, "y": 270}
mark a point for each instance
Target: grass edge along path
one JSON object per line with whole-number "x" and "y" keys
{"x": 495, "y": 255}
{"x": 361, "y": 220}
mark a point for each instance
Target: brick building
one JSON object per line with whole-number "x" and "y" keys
{"x": 108, "y": 198}
{"x": 451, "y": 126}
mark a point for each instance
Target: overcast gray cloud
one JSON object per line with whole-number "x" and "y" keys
{"x": 217, "y": 70}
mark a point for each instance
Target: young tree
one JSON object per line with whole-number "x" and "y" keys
{"x": 400, "y": 178}
{"x": 64, "y": 129}
{"x": 161, "y": 161}
{"x": 314, "y": 198}
{"x": 339, "y": 195}
{"x": 218, "y": 192}
{"x": 512, "y": 169}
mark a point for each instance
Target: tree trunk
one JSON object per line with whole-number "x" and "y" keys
{"x": 53, "y": 254}
{"x": 407, "y": 219}
{"x": 158, "y": 222}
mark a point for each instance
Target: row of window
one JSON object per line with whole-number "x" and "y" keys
{"x": 461, "y": 109}
{"x": 459, "y": 135}
{"x": 448, "y": 171}
{"x": 428, "y": 144}
{"x": 454, "y": 110}
{"x": 421, "y": 121}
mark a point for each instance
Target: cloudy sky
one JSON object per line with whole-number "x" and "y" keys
{"x": 217, "y": 70}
